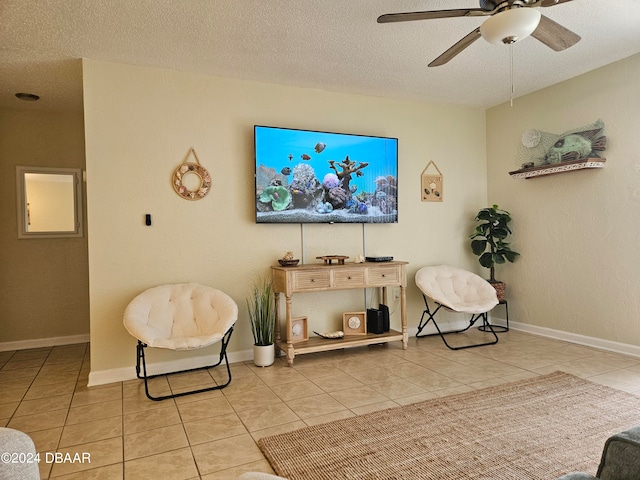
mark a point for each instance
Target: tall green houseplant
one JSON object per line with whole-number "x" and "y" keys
{"x": 488, "y": 241}
{"x": 262, "y": 312}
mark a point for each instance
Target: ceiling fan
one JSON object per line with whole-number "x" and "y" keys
{"x": 509, "y": 22}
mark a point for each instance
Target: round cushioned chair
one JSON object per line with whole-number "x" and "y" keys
{"x": 456, "y": 290}
{"x": 181, "y": 317}
{"x": 12, "y": 442}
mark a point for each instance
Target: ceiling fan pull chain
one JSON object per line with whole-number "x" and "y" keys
{"x": 511, "y": 71}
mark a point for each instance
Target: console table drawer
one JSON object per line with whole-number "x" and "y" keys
{"x": 348, "y": 278}
{"x": 311, "y": 280}
{"x": 384, "y": 275}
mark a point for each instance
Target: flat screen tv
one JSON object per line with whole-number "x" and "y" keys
{"x": 305, "y": 176}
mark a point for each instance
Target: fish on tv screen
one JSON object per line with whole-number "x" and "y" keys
{"x": 305, "y": 176}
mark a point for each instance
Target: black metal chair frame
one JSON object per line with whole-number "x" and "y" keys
{"x": 223, "y": 356}
{"x": 474, "y": 318}
{"x": 499, "y": 328}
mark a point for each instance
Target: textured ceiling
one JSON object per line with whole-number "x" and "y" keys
{"x": 332, "y": 45}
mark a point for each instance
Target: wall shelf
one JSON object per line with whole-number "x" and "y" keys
{"x": 559, "y": 168}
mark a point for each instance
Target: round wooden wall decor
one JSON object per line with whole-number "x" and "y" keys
{"x": 191, "y": 180}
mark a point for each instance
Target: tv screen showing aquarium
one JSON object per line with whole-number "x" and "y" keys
{"x": 305, "y": 176}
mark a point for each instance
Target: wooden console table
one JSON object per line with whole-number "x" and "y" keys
{"x": 322, "y": 278}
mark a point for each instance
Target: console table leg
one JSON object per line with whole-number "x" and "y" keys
{"x": 290, "y": 354}
{"x": 277, "y": 309}
{"x": 403, "y": 316}
{"x": 290, "y": 350}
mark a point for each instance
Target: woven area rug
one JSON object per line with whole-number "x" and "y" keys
{"x": 536, "y": 429}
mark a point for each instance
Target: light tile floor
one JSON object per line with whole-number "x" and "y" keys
{"x": 212, "y": 435}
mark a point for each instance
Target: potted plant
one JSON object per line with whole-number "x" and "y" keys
{"x": 488, "y": 242}
{"x": 262, "y": 314}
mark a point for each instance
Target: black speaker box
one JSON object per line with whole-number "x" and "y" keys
{"x": 384, "y": 310}
{"x": 375, "y": 322}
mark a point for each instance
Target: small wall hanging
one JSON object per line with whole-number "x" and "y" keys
{"x": 431, "y": 184}
{"x": 191, "y": 180}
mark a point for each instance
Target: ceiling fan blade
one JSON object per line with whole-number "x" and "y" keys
{"x": 554, "y": 35}
{"x": 410, "y": 16}
{"x": 457, "y": 48}
{"x": 551, "y": 3}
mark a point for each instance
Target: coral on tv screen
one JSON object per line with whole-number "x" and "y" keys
{"x": 305, "y": 176}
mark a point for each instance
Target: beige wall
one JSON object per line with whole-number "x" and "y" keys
{"x": 577, "y": 232}
{"x": 140, "y": 124}
{"x": 44, "y": 283}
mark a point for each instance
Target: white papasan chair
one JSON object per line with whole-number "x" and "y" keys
{"x": 20, "y": 459}
{"x": 456, "y": 290}
{"x": 181, "y": 317}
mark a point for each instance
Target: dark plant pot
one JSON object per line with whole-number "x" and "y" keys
{"x": 500, "y": 288}
{"x": 288, "y": 263}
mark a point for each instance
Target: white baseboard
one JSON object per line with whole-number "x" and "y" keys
{"x": 616, "y": 347}
{"x": 43, "y": 342}
{"x": 129, "y": 373}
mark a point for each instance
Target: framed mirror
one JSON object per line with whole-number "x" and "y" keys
{"x": 49, "y": 202}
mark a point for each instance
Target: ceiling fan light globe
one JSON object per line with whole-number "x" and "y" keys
{"x": 510, "y": 26}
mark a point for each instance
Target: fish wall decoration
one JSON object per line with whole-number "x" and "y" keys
{"x": 543, "y": 148}
{"x": 542, "y": 153}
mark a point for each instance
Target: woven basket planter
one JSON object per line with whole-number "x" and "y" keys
{"x": 500, "y": 288}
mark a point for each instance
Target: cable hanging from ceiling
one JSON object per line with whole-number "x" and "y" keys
{"x": 511, "y": 73}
